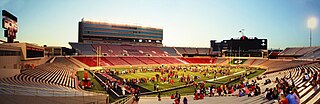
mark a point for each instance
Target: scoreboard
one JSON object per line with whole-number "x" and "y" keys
{"x": 245, "y": 43}
{"x": 9, "y": 22}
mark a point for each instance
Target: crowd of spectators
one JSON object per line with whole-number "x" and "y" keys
{"x": 283, "y": 92}
{"x": 243, "y": 89}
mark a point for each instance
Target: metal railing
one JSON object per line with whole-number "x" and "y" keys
{"x": 126, "y": 100}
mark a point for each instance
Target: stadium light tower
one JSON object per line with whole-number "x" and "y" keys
{"x": 312, "y": 24}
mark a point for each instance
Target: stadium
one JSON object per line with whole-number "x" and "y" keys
{"x": 129, "y": 64}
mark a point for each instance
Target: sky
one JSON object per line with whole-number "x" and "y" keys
{"x": 186, "y": 23}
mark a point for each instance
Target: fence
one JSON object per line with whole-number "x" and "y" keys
{"x": 126, "y": 100}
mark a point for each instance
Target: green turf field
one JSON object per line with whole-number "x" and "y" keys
{"x": 96, "y": 84}
{"x": 166, "y": 85}
{"x": 190, "y": 90}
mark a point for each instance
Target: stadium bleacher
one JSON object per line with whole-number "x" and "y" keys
{"x": 128, "y": 50}
{"x": 191, "y": 50}
{"x": 116, "y": 61}
{"x": 309, "y": 94}
{"x": 50, "y": 79}
{"x": 147, "y": 60}
{"x": 159, "y": 60}
{"x": 104, "y": 49}
{"x": 249, "y": 62}
{"x": 181, "y": 50}
{"x": 200, "y": 60}
{"x": 133, "y": 61}
{"x": 84, "y": 49}
{"x": 298, "y": 51}
{"x": 116, "y": 50}
{"x": 172, "y": 60}
{"x": 312, "y": 55}
{"x": 205, "y": 51}
{"x": 170, "y": 50}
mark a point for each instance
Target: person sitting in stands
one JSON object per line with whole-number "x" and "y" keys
{"x": 296, "y": 95}
{"x": 268, "y": 94}
{"x": 314, "y": 79}
{"x": 306, "y": 77}
{"x": 283, "y": 100}
{"x": 291, "y": 98}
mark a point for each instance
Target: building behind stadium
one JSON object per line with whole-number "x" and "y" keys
{"x": 110, "y": 33}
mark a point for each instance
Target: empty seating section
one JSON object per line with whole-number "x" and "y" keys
{"x": 314, "y": 55}
{"x": 187, "y": 50}
{"x": 131, "y": 51}
{"x": 200, "y": 60}
{"x": 170, "y": 51}
{"x": 181, "y": 50}
{"x": 157, "y": 51}
{"x": 289, "y": 51}
{"x": 134, "y": 52}
{"x": 104, "y": 49}
{"x": 128, "y": 50}
{"x": 191, "y": 50}
{"x": 172, "y": 60}
{"x": 249, "y": 62}
{"x": 147, "y": 60}
{"x": 64, "y": 62}
{"x": 28, "y": 81}
{"x": 203, "y": 51}
{"x": 258, "y": 62}
{"x": 132, "y": 61}
{"x": 85, "y": 49}
{"x": 145, "y": 50}
{"x": 54, "y": 76}
{"x": 92, "y": 61}
{"x": 116, "y": 50}
{"x": 116, "y": 61}
{"x": 221, "y": 61}
{"x": 159, "y": 60}
{"x": 305, "y": 50}
{"x": 299, "y": 50}
{"x": 276, "y": 65}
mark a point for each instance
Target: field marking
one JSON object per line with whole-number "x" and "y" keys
{"x": 210, "y": 80}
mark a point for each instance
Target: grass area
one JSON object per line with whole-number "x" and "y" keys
{"x": 226, "y": 79}
{"x": 96, "y": 84}
{"x": 166, "y": 85}
{"x": 256, "y": 73}
{"x": 190, "y": 90}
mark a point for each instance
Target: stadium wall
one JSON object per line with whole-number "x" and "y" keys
{"x": 9, "y": 61}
